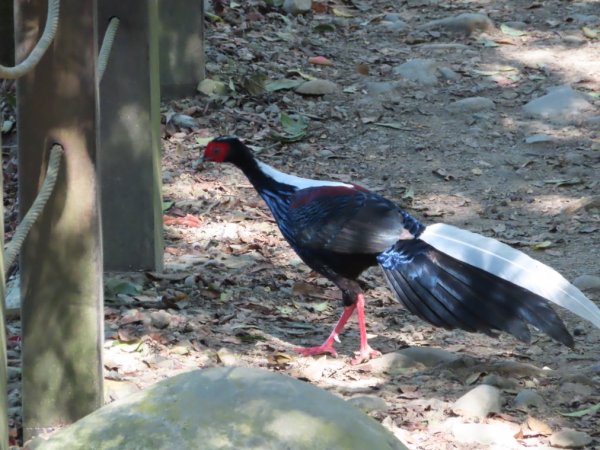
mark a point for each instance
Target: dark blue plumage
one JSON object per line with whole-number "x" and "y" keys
{"x": 340, "y": 229}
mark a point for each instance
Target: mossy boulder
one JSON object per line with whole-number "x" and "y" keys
{"x": 226, "y": 408}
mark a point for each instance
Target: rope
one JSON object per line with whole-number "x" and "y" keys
{"x": 14, "y": 247}
{"x": 40, "y": 48}
{"x": 107, "y": 43}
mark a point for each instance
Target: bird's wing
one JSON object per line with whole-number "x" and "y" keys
{"x": 344, "y": 220}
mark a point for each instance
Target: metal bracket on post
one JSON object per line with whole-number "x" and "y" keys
{"x": 61, "y": 260}
{"x": 130, "y": 159}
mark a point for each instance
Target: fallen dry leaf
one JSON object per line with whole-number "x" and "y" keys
{"x": 320, "y": 61}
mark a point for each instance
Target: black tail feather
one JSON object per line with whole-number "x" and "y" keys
{"x": 452, "y": 294}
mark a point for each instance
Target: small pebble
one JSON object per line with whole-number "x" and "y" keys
{"x": 587, "y": 283}
{"x": 570, "y": 439}
{"x": 190, "y": 281}
{"x": 472, "y": 105}
{"x": 479, "y": 402}
{"x": 368, "y": 403}
{"x": 528, "y": 398}
{"x": 297, "y": 6}
{"x": 160, "y": 319}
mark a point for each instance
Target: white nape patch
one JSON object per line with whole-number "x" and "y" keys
{"x": 298, "y": 182}
{"x": 511, "y": 265}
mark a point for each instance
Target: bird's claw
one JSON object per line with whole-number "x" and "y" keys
{"x": 319, "y": 350}
{"x": 364, "y": 355}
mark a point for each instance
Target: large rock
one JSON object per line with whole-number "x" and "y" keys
{"x": 226, "y": 408}
{"x": 561, "y": 104}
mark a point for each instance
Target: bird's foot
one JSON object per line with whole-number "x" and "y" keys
{"x": 364, "y": 355}
{"x": 318, "y": 350}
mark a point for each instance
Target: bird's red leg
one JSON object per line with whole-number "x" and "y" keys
{"x": 366, "y": 352}
{"x": 327, "y": 346}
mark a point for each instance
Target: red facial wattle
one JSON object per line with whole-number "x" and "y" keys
{"x": 216, "y": 151}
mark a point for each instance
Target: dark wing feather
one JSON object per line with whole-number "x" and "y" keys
{"x": 344, "y": 220}
{"x": 452, "y": 294}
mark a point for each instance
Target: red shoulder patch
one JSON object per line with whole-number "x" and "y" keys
{"x": 307, "y": 195}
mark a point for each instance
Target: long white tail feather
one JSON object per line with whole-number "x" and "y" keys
{"x": 511, "y": 265}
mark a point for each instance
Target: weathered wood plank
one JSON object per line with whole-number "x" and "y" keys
{"x": 61, "y": 260}
{"x": 181, "y": 47}
{"x": 7, "y": 35}
{"x": 130, "y": 166}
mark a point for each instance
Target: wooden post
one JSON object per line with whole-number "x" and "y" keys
{"x": 130, "y": 169}
{"x": 3, "y": 368}
{"x": 181, "y": 47}
{"x": 61, "y": 260}
{"x": 7, "y": 35}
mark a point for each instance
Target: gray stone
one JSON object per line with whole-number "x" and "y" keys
{"x": 212, "y": 87}
{"x": 574, "y": 40}
{"x": 576, "y": 390}
{"x": 463, "y": 23}
{"x": 13, "y": 296}
{"x": 449, "y": 74}
{"x": 585, "y": 18}
{"x": 499, "y": 435}
{"x": 160, "y": 319}
{"x": 421, "y": 71}
{"x": 570, "y": 439}
{"x": 380, "y": 87}
{"x": 472, "y": 105}
{"x": 507, "y": 384}
{"x": 392, "y": 17}
{"x": 397, "y": 26}
{"x": 395, "y": 364}
{"x": 14, "y": 373}
{"x": 418, "y": 3}
{"x": 587, "y": 283}
{"x": 295, "y": 7}
{"x": 516, "y": 24}
{"x": 528, "y": 398}
{"x": 479, "y": 402}
{"x": 225, "y": 408}
{"x": 429, "y": 356}
{"x": 561, "y": 104}
{"x": 411, "y": 360}
{"x": 184, "y": 121}
{"x": 368, "y": 403}
{"x": 317, "y": 87}
{"x": 539, "y": 138}
{"x": 190, "y": 281}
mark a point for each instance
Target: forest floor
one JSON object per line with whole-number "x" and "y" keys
{"x": 232, "y": 291}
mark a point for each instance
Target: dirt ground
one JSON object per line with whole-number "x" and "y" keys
{"x": 233, "y": 292}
